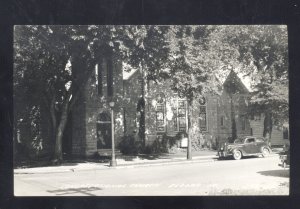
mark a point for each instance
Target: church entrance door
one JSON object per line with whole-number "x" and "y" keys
{"x": 104, "y": 131}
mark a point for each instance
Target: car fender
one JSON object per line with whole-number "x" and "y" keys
{"x": 238, "y": 149}
{"x": 261, "y": 149}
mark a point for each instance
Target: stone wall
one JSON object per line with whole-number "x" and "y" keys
{"x": 78, "y": 127}
{"x": 132, "y": 95}
{"x": 91, "y": 104}
{"x": 206, "y": 137}
{"x": 257, "y": 125}
{"x": 239, "y": 109}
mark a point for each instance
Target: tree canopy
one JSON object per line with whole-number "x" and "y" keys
{"x": 53, "y": 63}
{"x": 262, "y": 55}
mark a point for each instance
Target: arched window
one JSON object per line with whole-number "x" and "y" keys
{"x": 109, "y": 77}
{"x": 98, "y": 76}
{"x": 104, "y": 131}
{"x": 104, "y": 76}
{"x": 178, "y": 108}
{"x": 181, "y": 114}
{"x": 202, "y": 114}
{"x": 160, "y": 112}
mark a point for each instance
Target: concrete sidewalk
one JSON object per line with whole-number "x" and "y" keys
{"x": 128, "y": 162}
{"x": 124, "y": 162}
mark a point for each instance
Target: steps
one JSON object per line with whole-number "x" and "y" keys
{"x": 107, "y": 152}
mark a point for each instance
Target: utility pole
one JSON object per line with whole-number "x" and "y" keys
{"x": 113, "y": 162}
{"x": 189, "y": 148}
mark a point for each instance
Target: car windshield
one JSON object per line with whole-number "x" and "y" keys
{"x": 237, "y": 141}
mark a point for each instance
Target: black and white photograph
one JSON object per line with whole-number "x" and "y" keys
{"x": 151, "y": 110}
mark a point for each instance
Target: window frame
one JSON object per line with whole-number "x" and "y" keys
{"x": 203, "y": 105}
{"x": 243, "y": 122}
{"x": 181, "y": 117}
{"x": 110, "y": 77}
{"x": 247, "y": 140}
{"x": 222, "y": 121}
{"x": 162, "y": 109}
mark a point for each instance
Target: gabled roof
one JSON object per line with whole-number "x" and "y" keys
{"x": 128, "y": 71}
{"x": 233, "y": 78}
{"x": 234, "y": 84}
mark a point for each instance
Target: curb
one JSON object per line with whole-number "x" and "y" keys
{"x": 163, "y": 163}
{"x": 105, "y": 166}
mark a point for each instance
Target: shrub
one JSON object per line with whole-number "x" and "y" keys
{"x": 164, "y": 144}
{"x": 129, "y": 145}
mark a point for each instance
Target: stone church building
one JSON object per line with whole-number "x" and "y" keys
{"x": 163, "y": 112}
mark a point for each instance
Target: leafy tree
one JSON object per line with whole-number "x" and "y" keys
{"x": 263, "y": 56}
{"x": 54, "y": 63}
{"x": 148, "y": 53}
{"x": 200, "y": 54}
{"x": 42, "y": 54}
{"x": 192, "y": 67}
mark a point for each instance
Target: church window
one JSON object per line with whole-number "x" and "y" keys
{"x": 109, "y": 77}
{"x": 98, "y": 76}
{"x": 243, "y": 122}
{"x": 103, "y": 127}
{"x": 160, "y": 113}
{"x": 203, "y": 115}
{"x": 222, "y": 120}
{"x": 181, "y": 115}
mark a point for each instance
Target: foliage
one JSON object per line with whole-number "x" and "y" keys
{"x": 263, "y": 56}
{"x": 191, "y": 67}
{"x": 47, "y": 61}
{"x": 149, "y": 51}
{"x": 130, "y": 146}
{"x": 53, "y": 63}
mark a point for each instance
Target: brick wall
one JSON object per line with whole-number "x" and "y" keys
{"x": 132, "y": 94}
{"x": 91, "y": 104}
{"x": 277, "y": 132}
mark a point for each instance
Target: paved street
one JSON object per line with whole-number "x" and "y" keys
{"x": 251, "y": 176}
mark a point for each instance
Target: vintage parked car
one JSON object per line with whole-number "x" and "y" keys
{"x": 284, "y": 157}
{"x": 245, "y": 146}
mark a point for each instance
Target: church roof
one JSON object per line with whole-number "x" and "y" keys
{"x": 128, "y": 71}
{"x": 233, "y": 76}
{"x": 234, "y": 83}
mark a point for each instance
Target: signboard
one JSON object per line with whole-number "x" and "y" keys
{"x": 184, "y": 142}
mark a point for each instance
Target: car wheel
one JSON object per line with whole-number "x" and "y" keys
{"x": 265, "y": 152}
{"x": 237, "y": 155}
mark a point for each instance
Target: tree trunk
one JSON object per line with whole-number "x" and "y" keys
{"x": 53, "y": 119}
{"x": 233, "y": 123}
{"x": 268, "y": 125}
{"x": 58, "y": 156}
{"x": 189, "y": 130}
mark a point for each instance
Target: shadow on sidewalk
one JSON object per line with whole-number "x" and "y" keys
{"x": 75, "y": 191}
{"x": 106, "y": 159}
{"x": 276, "y": 173}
